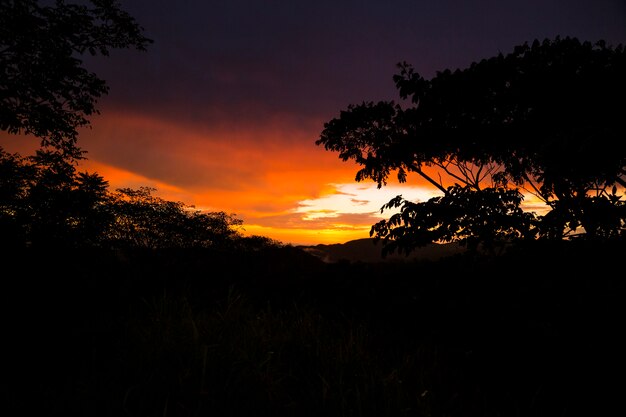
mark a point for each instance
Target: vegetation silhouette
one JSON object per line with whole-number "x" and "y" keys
{"x": 45, "y": 90}
{"x": 122, "y": 303}
{"x": 45, "y": 202}
{"x": 275, "y": 332}
{"x": 544, "y": 119}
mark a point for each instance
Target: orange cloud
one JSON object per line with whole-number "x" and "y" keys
{"x": 261, "y": 175}
{"x": 272, "y": 176}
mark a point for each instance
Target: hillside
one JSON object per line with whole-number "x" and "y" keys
{"x": 367, "y": 250}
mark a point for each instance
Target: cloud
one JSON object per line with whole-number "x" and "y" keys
{"x": 297, "y": 229}
{"x": 223, "y": 110}
{"x": 276, "y": 157}
{"x": 337, "y": 221}
{"x": 245, "y": 61}
{"x": 270, "y": 170}
{"x": 359, "y": 202}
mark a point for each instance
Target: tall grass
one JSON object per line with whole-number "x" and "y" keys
{"x": 202, "y": 335}
{"x": 237, "y": 359}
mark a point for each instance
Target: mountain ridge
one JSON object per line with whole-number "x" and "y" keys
{"x": 368, "y": 250}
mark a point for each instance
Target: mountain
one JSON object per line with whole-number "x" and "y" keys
{"x": 367, "y": 250}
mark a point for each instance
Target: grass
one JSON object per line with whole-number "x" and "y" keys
{"x": 280, "y": 334}
{"x": 239, "y": 360}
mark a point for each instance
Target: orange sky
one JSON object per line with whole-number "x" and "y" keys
{"x": 272, "y": 176}
{"x": 222, "y": 112}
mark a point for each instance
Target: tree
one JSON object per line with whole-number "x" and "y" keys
{"x": 63, "y": 207}
{"x": 46, "y": 91}
{"x": 145, "y": 221}
{"x": 44, "y": 88}
{"x": 15, "y": 176}
{"x": 45, "y": 202}
{"x": 546, "y": 119}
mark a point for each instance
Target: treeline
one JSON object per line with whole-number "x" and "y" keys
{"x": 46, "y": 202}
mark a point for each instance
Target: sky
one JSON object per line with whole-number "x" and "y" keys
{"x": 223, "y": 110}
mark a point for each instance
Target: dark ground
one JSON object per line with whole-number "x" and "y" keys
{"x": 537, "y": 332}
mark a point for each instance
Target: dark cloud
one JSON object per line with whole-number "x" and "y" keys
{"x": 224, "y": 108}
{"x": 245, "y": 60}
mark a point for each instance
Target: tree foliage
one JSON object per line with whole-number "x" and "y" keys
{"x": 43, "y": 200}
{"x": 144, "y": 220}
{"x": 545, "y": 119}
{"x": 44, "y": 88}
{"x": 46, "y": 91}
{"x": 482, "y": 218}
{"x": 46, "y": 202}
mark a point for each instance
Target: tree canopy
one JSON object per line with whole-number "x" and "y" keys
{"x": 46, "y": 202}
{"x": 545, "y": 119}
{"x": 45, "y": 90}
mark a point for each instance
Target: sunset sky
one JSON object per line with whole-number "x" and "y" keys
{"x": 223, "y": 110}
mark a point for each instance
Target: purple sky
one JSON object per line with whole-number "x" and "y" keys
{"x": 245, "y": 60}
{"x": 223, "y": 110}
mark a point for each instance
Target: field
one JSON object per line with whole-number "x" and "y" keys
{"x": 277, "y": 332}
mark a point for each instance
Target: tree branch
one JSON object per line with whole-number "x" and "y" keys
{"x": 430, "y": 180}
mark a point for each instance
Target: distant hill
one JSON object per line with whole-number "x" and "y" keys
{"x": 367, "y": 250}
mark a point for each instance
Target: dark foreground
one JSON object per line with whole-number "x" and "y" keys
{"x": 277, "y": 333}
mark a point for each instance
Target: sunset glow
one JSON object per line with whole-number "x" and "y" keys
{"x": 288, "y": 193}
{"x": 222, "y": 112}
{"x": 273, "y": 178}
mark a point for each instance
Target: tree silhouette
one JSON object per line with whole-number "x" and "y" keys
{"x": 546, "y": 119}
{"x": 44, "y": 88}
{"x": 146, "y": 221}
{"x": 64, "y": 207}
{"x": 15, "y": 177}
{"x": 45, "y": 91}
{"x": 46, "y": 202}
